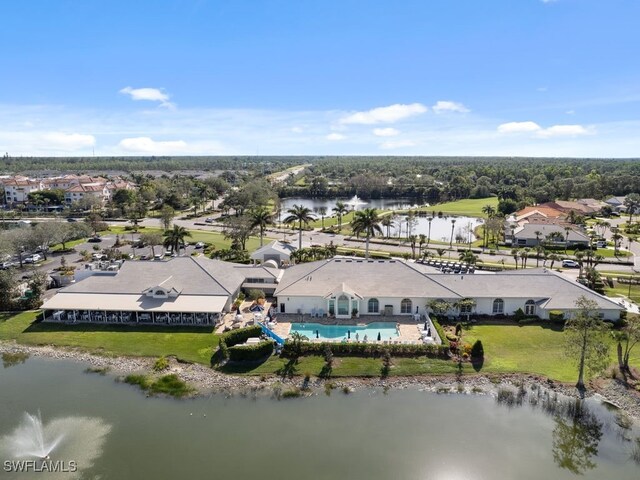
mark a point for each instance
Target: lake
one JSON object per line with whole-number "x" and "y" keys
{"x": 440, "y": 226}
{"x": 404, "y": 434}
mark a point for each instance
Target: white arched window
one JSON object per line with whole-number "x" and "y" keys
{"x": 498, "y": 306}
{"x": 373, "y": 306}
{"x": 343, "y": 305}
{"x": 406, "y": 306}
{"x": 530, "y": 307}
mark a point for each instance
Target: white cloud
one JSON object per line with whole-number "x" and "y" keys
{"x": 335, "y": 136}
{"x": 149, "y": 94}
{"x": 385, "y": 132}
{"x": 148, "y": 145}
{"x": 297, "y": 129}
{"x": 390, "y": 114}
{"x": 391, "y": 144}
{"x": 519, "y": 127}
{"x": 538, "y": 131}
{"x": 448, "y": 106}
{"x": 570, "y": 112}
{"x": 69, "y": 141}
{"x": 565, "y": 131}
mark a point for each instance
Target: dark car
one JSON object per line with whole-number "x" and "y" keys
{"x": 95, "y": 239}
{"x": 72, "y": 220}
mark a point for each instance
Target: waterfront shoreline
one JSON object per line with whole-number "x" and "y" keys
{"x": 208, "y": 381}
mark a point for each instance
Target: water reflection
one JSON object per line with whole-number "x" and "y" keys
{"x": 576, "y": 439}
{"x": 10, "y": 359}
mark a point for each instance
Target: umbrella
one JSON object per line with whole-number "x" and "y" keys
{"x": 238, "y": 311}
{"x": 348, "y": 333}
{"x": 317, "y": 333}
{"x": 426, "y": 326}
{"x": 379, "y": 336}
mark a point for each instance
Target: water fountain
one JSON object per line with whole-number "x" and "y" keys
{"x": 354, "y": 202}
{"x": 28, "y": 440}
{"x": 68, "y": 441}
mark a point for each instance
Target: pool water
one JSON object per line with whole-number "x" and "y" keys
{"x": 387, "y": 331}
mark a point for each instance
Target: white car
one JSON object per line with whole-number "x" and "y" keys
{"x": 33, "y": 258}
{"x": 570, "y": 264}
{"x": 199, "y": 245}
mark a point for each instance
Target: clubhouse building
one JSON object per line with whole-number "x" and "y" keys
{"x": 198, "y": 290}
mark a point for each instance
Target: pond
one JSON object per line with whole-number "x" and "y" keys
{"x": 112, "y": 431}
{"x": 440, "y": 225}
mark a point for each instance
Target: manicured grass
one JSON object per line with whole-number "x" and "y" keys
{"x": 623, "y": 290}
{"x": 330, "y": 221}
{"x": 214, "y": 238}
{"x": 68, "y": 245}
{"x": 509, "y": 348}
{"x": 190, "y": 344}
{"x": 471, "y": 207}
{"x": 528, "y": 349}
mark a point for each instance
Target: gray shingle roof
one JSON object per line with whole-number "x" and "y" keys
{"x": 188, "y": 275}
{"x": 368, "y": 278}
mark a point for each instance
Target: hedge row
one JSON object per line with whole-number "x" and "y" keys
{"x": 245, "y": 353}
{"x": 441, "y": 334}
{"x": 367, "y": 350}
{"x": 241, "y": 335}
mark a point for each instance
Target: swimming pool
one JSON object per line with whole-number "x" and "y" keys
{"x": 387, "y": 331}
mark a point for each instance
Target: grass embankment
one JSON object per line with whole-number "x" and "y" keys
{"x": 214, "y": 238}
{"x": 509, "y": 348}
{"x": 470, "y": 207}
{"x": 186, "y": 343}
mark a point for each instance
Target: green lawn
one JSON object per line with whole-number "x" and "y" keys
{"x": 195, "y": 345}
{"x": 214, "y": 238}
{"x": 509, "y": 348}
{"x": 528, "y": 349}
{"x": 471, "y": 207}
{"x": 622, "y": 289}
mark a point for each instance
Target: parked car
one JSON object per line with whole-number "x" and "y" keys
{"x": 208, "y": 220}
{"x": 72, "y": 220}
{"x": 570, "y": 264}
{"x": 95, "y": 239}
{"x": 601, "y": 244}
{"x": 199, "y": 245}
{"x": 6, "y": 265}
{"x": 32, "y": 258}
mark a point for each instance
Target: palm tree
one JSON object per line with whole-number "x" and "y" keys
{"x": 440, "y": 252}
{"x": 261, "y": 217}
{"x": 175, "y": 237}
{"x": 300, "y": 214}
{"x": 554, "y": 258}
{"x": 514, "y": 253}
{"x": 387, "y": 222}
{"x": 421, "y": 241}
{"x": 429, "y": 219}
{"x": 453, "y": 224}
{"x": 540, "y": 251}
{"x": 340, "y": 209}
{"x": 490, "y": 212}
{"x": 322, "y": 211}
{"x": 367, "y": 222}
{"x": 468, "y": 257}
{"x": 566, "y": 238}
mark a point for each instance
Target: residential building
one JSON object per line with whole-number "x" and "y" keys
{"x": 344, "y": 286}
{"x": 532, "y": 234}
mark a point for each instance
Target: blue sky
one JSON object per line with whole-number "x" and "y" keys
{"x": 438, "y": 77}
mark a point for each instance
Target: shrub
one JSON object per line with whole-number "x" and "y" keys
{"x": 365, "y": 350}
{"x": 224, "y": 350}
{"x": 458, "y": 329}
{"x": 518, "y": 314}
{"x": 477, "y": 351}
{"x": 255, "y": 294}
{"x": 241, "y": 335}
{"x": 161, "y": 364}
{"x": 141, "y": 380}
{"x": 440, "y": 330}
{"x": 556, "y": 316}
{"x": 250, "y": 353}
{"x": 170, "y": 385}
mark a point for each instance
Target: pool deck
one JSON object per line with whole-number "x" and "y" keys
{"x": 409, "y": 329}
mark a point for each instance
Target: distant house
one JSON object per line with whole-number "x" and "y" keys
{"x": 617, "y": 204}
{"x": 279, "y": 252}
{"x": 567, "y": 207}
{"x": 525, "y": 235}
